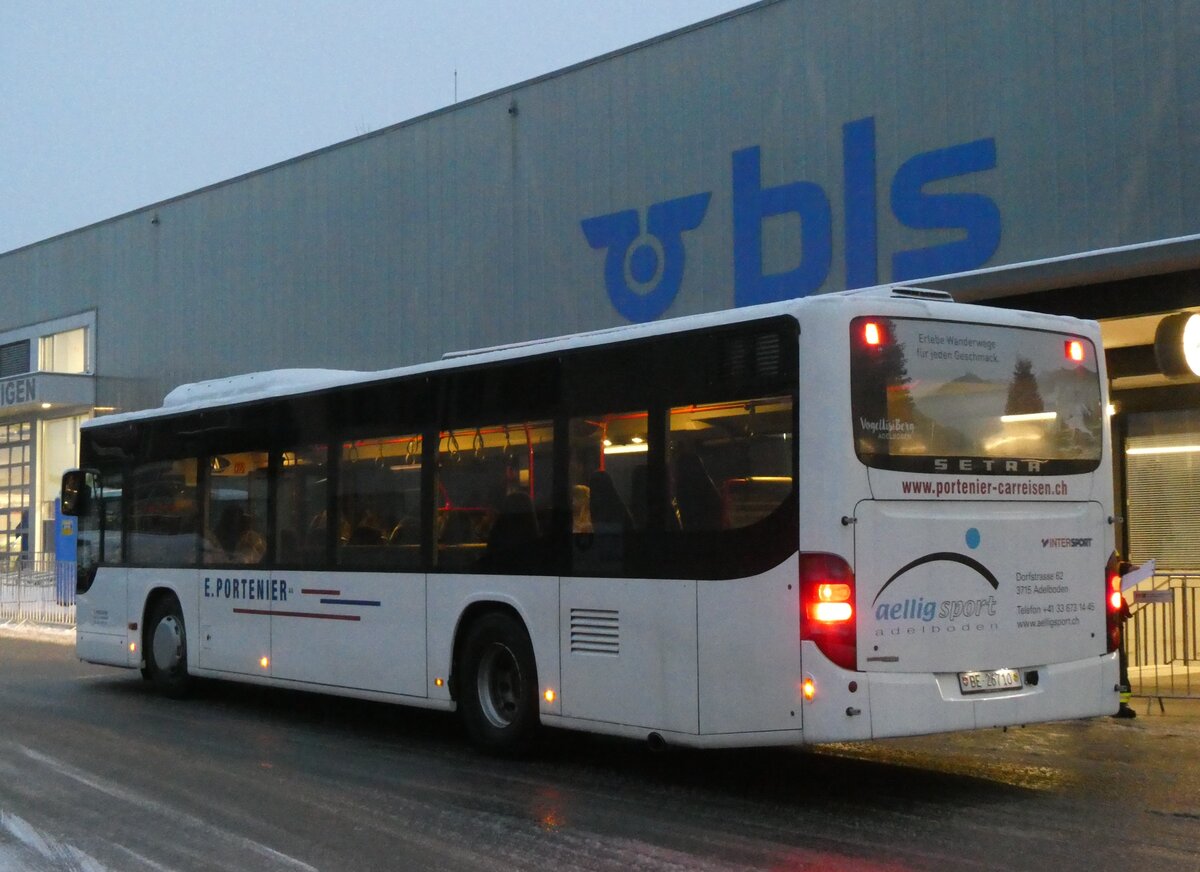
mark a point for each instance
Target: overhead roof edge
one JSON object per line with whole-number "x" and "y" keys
{"x": 1086, "y": 268}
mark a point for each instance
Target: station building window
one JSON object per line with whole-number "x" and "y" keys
{"x": 1162, "y": 474}
{"x": 16, "y": 539}
{"x": 64, "y": 352}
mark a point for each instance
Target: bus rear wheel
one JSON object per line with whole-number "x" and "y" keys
{"x": 165, "y": 648}
{"x": 496, "y": 677}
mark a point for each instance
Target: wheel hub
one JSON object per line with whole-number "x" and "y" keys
{"x": 499, "y": 685}
{"x": 167, "y": 645}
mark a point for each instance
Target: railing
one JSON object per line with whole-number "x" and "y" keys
{"x": 1162, "y": 637}
{"x": 37, "y": 589}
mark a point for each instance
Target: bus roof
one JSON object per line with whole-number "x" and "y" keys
{"x": 279, "y": 383}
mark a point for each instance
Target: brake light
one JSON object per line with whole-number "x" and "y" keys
{"x": 832, "y": 605}
{"x": 872, "y": 333}
{"x": 1114, "y": 599}
{"x": 1075, "y": 350}
{"x": 827, "y": 607}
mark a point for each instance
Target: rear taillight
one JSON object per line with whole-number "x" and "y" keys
{"x": 827, "y": 607}
{"x": 1114, "y": 600}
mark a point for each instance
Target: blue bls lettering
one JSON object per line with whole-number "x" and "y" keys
{"x": 752, "y": 204}
{"x": 643, "y": 272}
{"x": 858, "y": 191}
{"x": 975, "y": 214}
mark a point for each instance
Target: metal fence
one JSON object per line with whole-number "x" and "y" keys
{"x": 1162, "y": 636}
{"x": 37, "y": 589}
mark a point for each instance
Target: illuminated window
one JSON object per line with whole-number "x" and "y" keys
{"x": 493, "y": 497}
{"x": 300, "y": 511}
{"x": 379, "y": 503}
{"x": 730, "y": 462}
{"x": 64, "y": 352}
{"x": 235, "y": 508}
{"x": 15, "y": 532}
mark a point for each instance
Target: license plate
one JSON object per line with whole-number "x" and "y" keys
{"x": 990, "y": 682}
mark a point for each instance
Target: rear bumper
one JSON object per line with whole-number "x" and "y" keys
{"x": 904, "y": 704}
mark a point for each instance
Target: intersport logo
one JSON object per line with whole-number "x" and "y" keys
{"x": 1067, "y": 542}
{"x": 644, "y": 261}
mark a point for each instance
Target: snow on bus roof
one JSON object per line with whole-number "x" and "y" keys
{"x": 254, "y": 384}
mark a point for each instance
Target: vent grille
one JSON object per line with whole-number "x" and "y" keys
{"x": 752, "y": 356}
{"x": 922, "y": 294}
{"x": 596, "y": 631}
{"x": 14, "y": 358}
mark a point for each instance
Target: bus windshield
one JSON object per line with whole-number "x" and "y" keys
{"x": 942, "y": 396}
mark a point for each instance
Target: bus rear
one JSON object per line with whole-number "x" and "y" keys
{"x": 974, "y": 592}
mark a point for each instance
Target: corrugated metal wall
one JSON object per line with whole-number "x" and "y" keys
{"x": 463, "y": 228}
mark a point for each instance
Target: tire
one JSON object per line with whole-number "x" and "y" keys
{"x": 164, "y": 648}
{"x": 496, "y": 678}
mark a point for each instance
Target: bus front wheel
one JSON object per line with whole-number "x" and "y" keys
{"x": 165, "y": 648}
{"x": 497, "y": 685}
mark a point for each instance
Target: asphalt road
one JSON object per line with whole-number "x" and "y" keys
{"x": 98, "y": 773}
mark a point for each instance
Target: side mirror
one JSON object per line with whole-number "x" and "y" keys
{"x": 78, "y": 487}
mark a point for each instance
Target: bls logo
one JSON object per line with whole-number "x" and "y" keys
{"x": 643, "y": 272}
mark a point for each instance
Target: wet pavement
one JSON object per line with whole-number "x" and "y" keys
{"x": 98, "y": 773}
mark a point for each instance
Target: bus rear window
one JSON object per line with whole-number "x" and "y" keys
{"x": 939, "y": 396}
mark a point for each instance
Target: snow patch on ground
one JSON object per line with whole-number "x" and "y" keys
{"x": 24, "y": 847}
{"x": 37, "y": 632}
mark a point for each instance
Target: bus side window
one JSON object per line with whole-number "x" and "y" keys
{"x": 111, "y": 519}
{"x": 300, "y": 506}
{"x": 379, "y": 500}
{"x": 730, "y": 462}
{"x": 608, "y": 454}
{"x": 235, "y": 509}
{"x": 164, "y": 516}
{"x": 493, "y": 498}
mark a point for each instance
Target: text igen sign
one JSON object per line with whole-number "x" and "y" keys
{"x": 643, "y": 269}
{"x": 18, "y": 391}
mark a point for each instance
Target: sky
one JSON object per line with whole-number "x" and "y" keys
{"x": 110, "y": 105}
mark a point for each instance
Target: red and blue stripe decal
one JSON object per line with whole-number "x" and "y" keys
{"x": 325, "y": 597}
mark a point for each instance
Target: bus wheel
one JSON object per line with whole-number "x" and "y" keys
{"x": 165, "y": 648}
{"x": 497, "y": 685}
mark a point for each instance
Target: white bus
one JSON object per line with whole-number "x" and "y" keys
{"x": 849, "y": 516}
